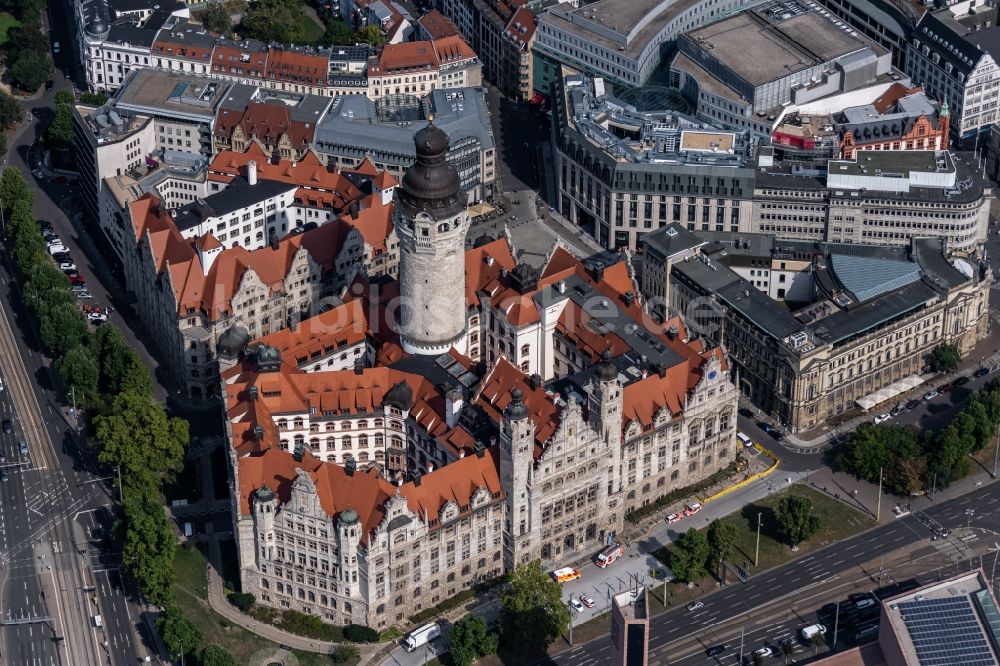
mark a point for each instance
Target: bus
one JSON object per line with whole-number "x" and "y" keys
{"x": 609, "y": 555}
{"x": 565, "y": 574}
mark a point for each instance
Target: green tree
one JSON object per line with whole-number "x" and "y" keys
{"x": 14, "y": 188}
{"x": 213, "y": 655}
{"x": 796, "y": 520}
{"x": 62, "y": 327}
{"x": 25, "y": 39}
{"x": 138, "y": 436}
{"x": 216, "y": 19}
{"x": 65, "y": 97}
{"x": 30, "y": 70}
{"x": 370, "y": 34}
{"x": 79, "y": 372}
{"x": 721, "y": 539}
{"x": 949, "y": 456}
{"x": 337, "y": 33}
{"x": 136, "y": 378}
{"x": 533, "y": 613}
{"x": 93, "y": 98}
{"x": 59, "y": 135}
{"x": 273, "y": 21}
{"x": 944, "y": 358}
{"x": 149, "y": 546}
{"x": 689, "y": 555}
{"x": 10, "y": 111}
{"x": 470, "y": 639}
{"x": 180, "y": 635}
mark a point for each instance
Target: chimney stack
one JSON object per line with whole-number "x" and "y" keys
{"x": 359, "y": 366}
{"x": 252, "y": 172}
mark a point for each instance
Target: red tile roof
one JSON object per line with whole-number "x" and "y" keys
{"x": 266, "y": 122}
{"x": 295, "y": 66}
{"x": 521, "y": 27}
{"x": 452, "y": 49}
{"x": 365, "y": 491}
{"x": 437, "y": 25}
{"x": 343, "y": 326}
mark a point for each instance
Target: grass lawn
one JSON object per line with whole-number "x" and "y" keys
{"x": 189, "y": 564}
{"x": 837, "y": 521}
{"x": 310, "y": 29}
{"x": 7, "y": 22}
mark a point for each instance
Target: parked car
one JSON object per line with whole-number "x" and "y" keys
{"x": 673, "y": 518}
{"x": 764, "y": 652}
{"x": 944, "y": 388}
{"x": 67, "y": 266}
{"x": 38, "y": 173}
{"x": 910, "y": 404}
{"x": 83, "y": 294}
{"x": 8, "y": 427}
{"x": 930, "y": 395}
{"x": 76, "y": 280}
{"x": 981, "y": 372}
{"x": 97, "y": 317}
{"x": 897, "y": 409}
{"x": 3, "y": 474}
{"x": 715, "y": 650}
{"x": 692, "y": 509}
{"x": 881, "y": 418}
{"x": 56, "y": 249}
{"x": 695, "y": 605}
{"x": 743, "y": 411}
{"x": 62, "y": 256}
{"x": 766, "y": 427}
{"x": 587, "y": 601}
{"x": 577, "y": 606}
{"x": 960, "y": 381}
{"x": 22, "y": 446}
{"x": 50, "y": 84}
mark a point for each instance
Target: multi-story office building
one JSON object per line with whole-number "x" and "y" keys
{"x": 619, "y": 40}
{"x": 622, "y": 173}
{"x": 953, "y": 54}
{"x": 816, "y": 329}
{"x": 357, "y": 128}
{"x": 878, "y": 197}
{"x": 889, "y": 24}
{"x": 116, "y": 36}
{"x": 799, "y": 55}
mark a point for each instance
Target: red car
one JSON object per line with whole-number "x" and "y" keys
{"x": 76, "y": 279}
{"x": 944, "y": 388}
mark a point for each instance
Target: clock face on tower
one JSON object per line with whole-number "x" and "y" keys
{"x": 712, "y": 374}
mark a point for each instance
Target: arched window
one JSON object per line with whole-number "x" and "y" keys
{"x": 379, "y": 423}
{"x": 282, "y": 424}
{"x": 362, "y": 425}
{"x": 443, "y": 227}
{"x": 314, "y": 443}
{"x": 330, "y": 426}
{"x": 363, "y": 456}
{"x": 379, "y": 456}
{"x": 345, "y": 442}
{"x": 297, "y": 424}
{"x": 525, "y": 349}
{"x": 362, "y": 440}
{"x": 331, "y": 443}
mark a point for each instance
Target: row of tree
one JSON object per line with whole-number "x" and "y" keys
{"x": 913, "y": 461}
{"x": 59, "y": 134}
{"x": 131, "y": 432}
{"x": 27, "y": 48}
{"x": 697, "y": 552}
{"x": 281, "y": 21}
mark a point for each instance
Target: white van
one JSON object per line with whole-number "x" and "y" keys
{"x": 421, "y": 636}
{"x": 98, "y": 622}
{"x": 747, "y": 442}
{"x": 813, "y": 630}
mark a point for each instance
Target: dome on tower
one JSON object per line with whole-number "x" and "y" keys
{"x": 349, "y": 517}
{"x": 516, "y": 409}
{"x": 431, "y": 184}
{"x": 431, "y": 141}
{"x": 606, "y": 371}
{"x": 264, "y": 494}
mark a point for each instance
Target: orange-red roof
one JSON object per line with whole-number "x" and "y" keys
{"x": 404, "y": 57}
{"x": 365, "y": 491}
{"x": 265, "y": 122}
{"x": 232, "y": 58}
{"x": 451, "y": 49}
{"x": 494, "y": 396}
{"x": 343, "y": 326}
{"x": 437, "y": 25}
{"x": 295, "y": 66}
{"x": 374, "y": 221}
{"x": 384, "y": 180}
{"x": 521, "y": 27}
{"x": 319, "y": 185}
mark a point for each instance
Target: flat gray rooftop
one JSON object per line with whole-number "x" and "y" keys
{"x": 793, "y": 45}
{"x": 895, "y": 161}
{"x": 620, "y": 16}
{"x": 172, "y": 92}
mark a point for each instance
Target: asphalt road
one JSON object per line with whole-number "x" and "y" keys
{"x": 718, "y": 621}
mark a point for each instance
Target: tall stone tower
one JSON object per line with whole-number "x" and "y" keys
{"x": 431, "y": 223}
{"x": 517, "y": 457}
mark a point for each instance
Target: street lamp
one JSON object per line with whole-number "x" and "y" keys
{"x": 969, "y": 513}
